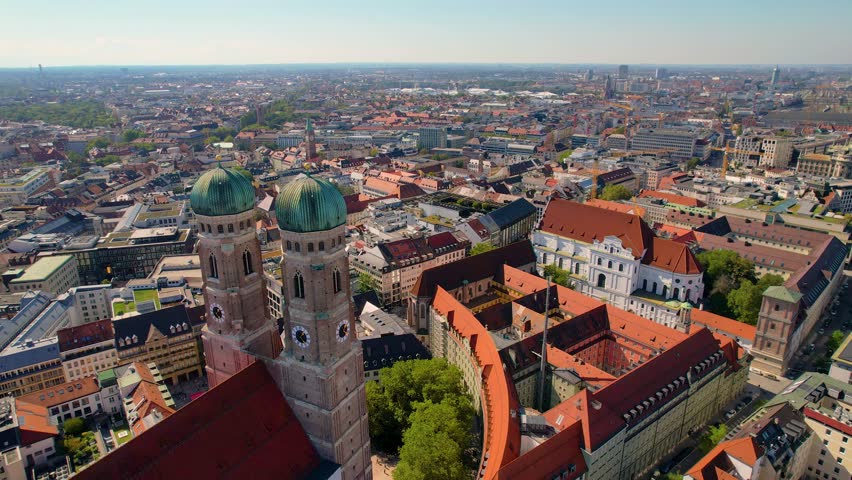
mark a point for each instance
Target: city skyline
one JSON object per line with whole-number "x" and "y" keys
{"x": 195, "y": 33}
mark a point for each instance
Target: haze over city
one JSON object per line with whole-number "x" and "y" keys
{"x": 388, "y": 240}
{"x": 196, "y": 32}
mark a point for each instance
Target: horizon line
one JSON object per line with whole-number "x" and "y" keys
{"x": 425, "y": 63}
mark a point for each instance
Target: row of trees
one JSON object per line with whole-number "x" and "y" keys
{"x": 420, "y": 410}
{"x": 734, "y": 289}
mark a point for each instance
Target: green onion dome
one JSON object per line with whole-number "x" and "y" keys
{"x": 222, "y": 191}
{"x": 309, "y": 204}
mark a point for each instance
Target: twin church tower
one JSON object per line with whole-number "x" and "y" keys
{"x": 316, "y": 361}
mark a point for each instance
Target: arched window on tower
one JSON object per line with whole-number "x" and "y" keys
{"x": 298, "y": 247}
{"x": 214, "y": 267}
{"x": 601, "y": 280}
{"x": 220, "y": 228}
{"x": 247, "y": 266}
{"x": 230, "y": 228}
{"x": 321, "y": 246}
{"x": 289, "y": 245}
{"x": 335, "y": 279}
{"x": 298, "y": 285}
{"x": 310, "y": 246}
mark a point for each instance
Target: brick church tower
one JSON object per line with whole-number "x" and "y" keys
{"x": 321, "y": 370}
{"x": 234, "y": 289}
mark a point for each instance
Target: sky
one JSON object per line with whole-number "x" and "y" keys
{"x": 208, "y": 32}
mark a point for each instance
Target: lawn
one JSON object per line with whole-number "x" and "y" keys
{"x": 146, "y": 295}
{"x": 120, "y": 308}
{"x": 122, "y": 435}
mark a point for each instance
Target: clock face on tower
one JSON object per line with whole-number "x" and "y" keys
{"x": 217, "y": 312}
{"x": 342, "y": 330}
{"x": 301, "y": 336}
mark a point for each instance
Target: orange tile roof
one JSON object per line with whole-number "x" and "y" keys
{"x": 550, "y": 459}
{"x": 62, "y": 393}
{"x": 242, "y": 428}
{"x": 724, "y": 324}
{"x": 35, "y": 425}
{"x": 588, "y": 372}
{"x": 672, "y": 198}
{"x": 502, "y": 434}
{"x": 716, "y": 464}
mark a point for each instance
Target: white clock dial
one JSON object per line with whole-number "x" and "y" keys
{"x": 342, "y": 330}
{"x": 217, "y": 312}
{"x": 301, "y": 336}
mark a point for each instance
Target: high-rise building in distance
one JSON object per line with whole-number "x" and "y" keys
{"x": 622, "y": 71}
{"x": 431, "y": 137}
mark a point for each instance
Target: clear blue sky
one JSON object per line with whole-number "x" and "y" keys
{"x": 125, "y": 32}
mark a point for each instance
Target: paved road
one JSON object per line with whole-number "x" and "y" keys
{"x": 805, "y": 360}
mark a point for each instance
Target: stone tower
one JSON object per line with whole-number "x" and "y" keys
{"x": 310, "y": 141}
{"x": 234, "y": 290}
{"x": 321, "y": 370}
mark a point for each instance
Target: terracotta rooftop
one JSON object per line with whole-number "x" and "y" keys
{"x": 723, "y": 324}
{"x": 34, "y": 422}
{"x": 590, "y": 224}
{"x": 672, "y": 198}
{"x": 62, "y": 393}
{"x": 501, "y": 431}
{"x": 83, "y": 335}
{"x": 717, "y": 463}
{"x": 264, "y": 438}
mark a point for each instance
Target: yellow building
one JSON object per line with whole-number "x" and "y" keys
{"x": 169, "y": 337}
{"x": 54, "y": 274}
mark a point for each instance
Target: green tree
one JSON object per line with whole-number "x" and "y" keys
{"x": 744, "y": 301}
{"x": 616, "y": 192}
{"x": 834, "y": 342}
{"x": 366, "y": 282}
{"x": 74, "y": 426}
{"x": 76, "y": 113}
{"x": 434, "y": 445}
{"x": 211, "y": 140}
{"x": 481, "y": 247}
{"x": 558, "y": 276}
{"x": 99, "y": 142}
{"x": 724, "y": 270}
{"x": 108, "y": 159}
{"x": 229, "y": 139}
{"x": 563, "y": 155}
{"x": 400, "y": 389}
{"x": 713, "y": 437}
{"x": 344, "y": 189}
{"x": 692, "y": 163}
{"x": 374, "y": 152}
{"x": 130, "y": 135}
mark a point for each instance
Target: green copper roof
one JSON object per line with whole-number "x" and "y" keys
{"x": 309, "y": 204}
{"x": 222, "y": 191}
{"x": 783, "y": 294}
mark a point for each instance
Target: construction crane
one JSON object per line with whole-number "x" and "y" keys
{"x": 728, "y": 149}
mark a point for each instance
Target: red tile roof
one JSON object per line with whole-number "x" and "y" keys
{"x": 62, "y": 393}
{"x": 83, "y": 335}
{"x": 501, "y": 432}
{"x": 34, "y": 421}
{"x": 826, "y": 420}
{"x": 718, "y": 323}
{"x": 588, "y": 224}
{"x": 242, "y": 428}
{"x": 556, "y": 455}
{"x": 672, "y": 198}
{"x": 672, "y": 257}
{"x": 717, "y": 463}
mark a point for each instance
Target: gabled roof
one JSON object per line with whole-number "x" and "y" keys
{"x": 717, "y": 463}
{"x": 84, "y": 335}
{"x": 33, "y": 422}
{"x": 242, "y": 428}
{"x": 489, "y": 264}
{"x": 587, "y": 224}
{"x": 161, "y": 320}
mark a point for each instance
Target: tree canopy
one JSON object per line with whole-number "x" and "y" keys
{"x": 481, "y": 247}
{"x": 558, "y": 276}
{"x": 76, "y": 113}
{"x": 366, "y": 282}
{"x": 434, "y": 445}
{"x": 130, "y": 135}
{"x": 616, "y": 192}
{"x": 744, "y": 301}
{"x": 401, "y": 388}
